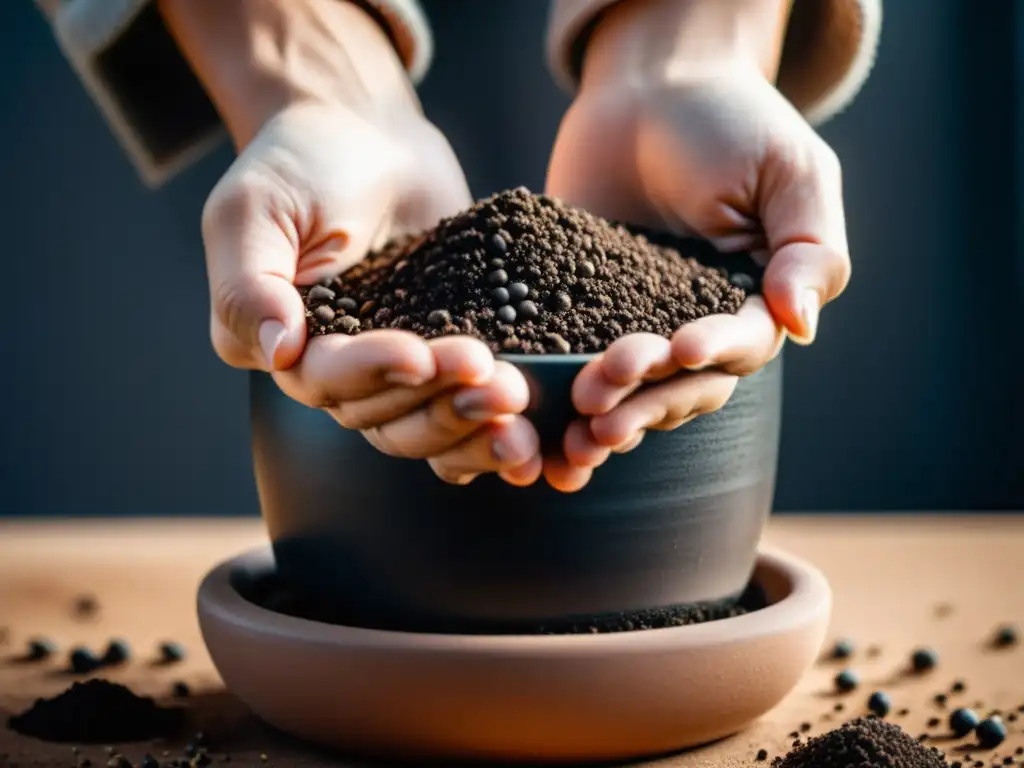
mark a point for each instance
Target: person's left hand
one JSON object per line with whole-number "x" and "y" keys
{"x": 721, "y": 154}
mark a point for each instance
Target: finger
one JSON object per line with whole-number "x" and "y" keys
{"x": 565, "y": 477}
{"x": 458, "y": 361}
{"x": 525, "y": 475}
{"x": 504, "y": 445}
{"x": 608, "y": 379}
{"x": 664, "y": 406}
{"x": 447, "y": 420}
{"x": 580, "y": 448}
{"x": 739, "y": 344}
{"x": 804, "y": 222}
{"x": 338, "y": 368}
{"x": 257, "y": 318}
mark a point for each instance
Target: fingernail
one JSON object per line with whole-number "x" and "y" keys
{"x": 470, "y": 406}
{"x": 271, "y": 334}
{"x": 809, "y": 308}
{"x": 404, "y": 379}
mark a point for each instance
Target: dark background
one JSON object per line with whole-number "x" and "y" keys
{"x": 114, "y": 404}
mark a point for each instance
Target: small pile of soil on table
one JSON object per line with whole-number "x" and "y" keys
{"x": 863, "y": 743}
{"x": 274, "y": 594}
{"x": 95, "y": 712}
{"x": 526, "y": 273}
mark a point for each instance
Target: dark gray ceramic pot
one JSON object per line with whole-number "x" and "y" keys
{"x": 675, "y": 521}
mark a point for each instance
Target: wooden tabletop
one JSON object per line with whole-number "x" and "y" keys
{"x": 899, "y": 583}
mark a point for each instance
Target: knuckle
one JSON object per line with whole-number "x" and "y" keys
{"x": 384, "y": 444}
{"x": 447, "y": 473}
{"x": 232, "y": 301}
{"x": 227, "y": 347}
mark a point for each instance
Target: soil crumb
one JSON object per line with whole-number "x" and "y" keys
{"x": 866, "y": 742}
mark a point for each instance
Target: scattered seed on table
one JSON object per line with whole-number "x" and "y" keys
{"x": 762, "y": 755}
{"x": 40, "y": 648}
{"x": 879, "y": 703}
{"x": 959, "y": 686}
{"x": 940, "y": 699}
{"x": 903, "y": 712}
{"x": 85, "y": 606}
{"x": 83, "y": 661}
{"x": 805, "y": 727}
{"x": 990, "y": 732}
{"x": 838, "y": 707}
{"x": 171, "y": 652}
{"x": 933, "y": 722}
{"x": 843, "y": 649}
{"x": 118, "y": 652}
{"x": 923, "y": 660}
{"x": 180, "y": 690}
{"x": 963, "y": 721}
{"x": 1005, "y": 637}
{"x": 846, "y": 681}
{"x": 1012, "y": 717}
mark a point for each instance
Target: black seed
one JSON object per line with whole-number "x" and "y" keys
{"x": 86, "y": 605}
{"x": 506, "y": 314}
{"x": 518, "y": 291}
{"x": 805, "y": 727}
{"x": 923, "y": 660}
{"x": 585, "y": 269}
{"x": 959, "y": 686}
{"x": 348, "y": 324}
{"x": 347, "y": 305}
{"x": 171, "y": 652}
{"x": 762, "y": 754}
{"x": 940, "y": 699}
{"x": 83, "y": 661}
{"x": 118, "y": 652}
{"x": 742, "y": 281}
{"x": 497, "y": 277}
{"x": 990, "y": 732}
{"x": 561, "y": 302}
{"x": 323, "y": 313}
{"x": 500, "y": 296}
{"x": 319, "y": 293}
{"x": 527, "y": 310}
{"x": 439, "y": 318}
{"x": 879, "y": 703}
{"x": 963, "y": 721}
{"x": 902, "y": 712}
{"x": 1006, "y": 636}
{"x": 180, "y": 690}
{"x": 933, "y": 722}
{"x": 846, "y": 681}
{"x": 499, "y": 244}
{"x": 839, "y": 707}
{"x": 40, "y": 648}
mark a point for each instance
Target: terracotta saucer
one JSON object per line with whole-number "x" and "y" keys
{"x": 563, "y": 698}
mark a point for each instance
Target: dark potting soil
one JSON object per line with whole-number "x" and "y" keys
{"x": 863, "y": 743}
{"x": 528, "y": 274}
{"x": 272, "y": 593}
{"x": 95, "y": 712}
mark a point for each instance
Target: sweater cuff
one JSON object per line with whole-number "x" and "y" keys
{"x": 828, "y": 53}
{"x": 148, "y": 94}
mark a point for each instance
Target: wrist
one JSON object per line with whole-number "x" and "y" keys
{"x": 640, "y": 41}
{"x": 256, "y": 58}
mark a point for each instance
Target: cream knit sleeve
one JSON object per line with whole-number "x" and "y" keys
{"x": 829, "y": 49}
{"x": 146, "y": 91}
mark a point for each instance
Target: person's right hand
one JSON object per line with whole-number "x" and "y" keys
{"x": 317, "y": 184}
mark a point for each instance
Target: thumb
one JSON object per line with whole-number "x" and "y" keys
{"x": 257, "y": 316}
{"x": 801, "y": 202}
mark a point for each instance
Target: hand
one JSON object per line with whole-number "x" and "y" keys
{"x": 318, "y": 182}
{"x": 704, "y": 147}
